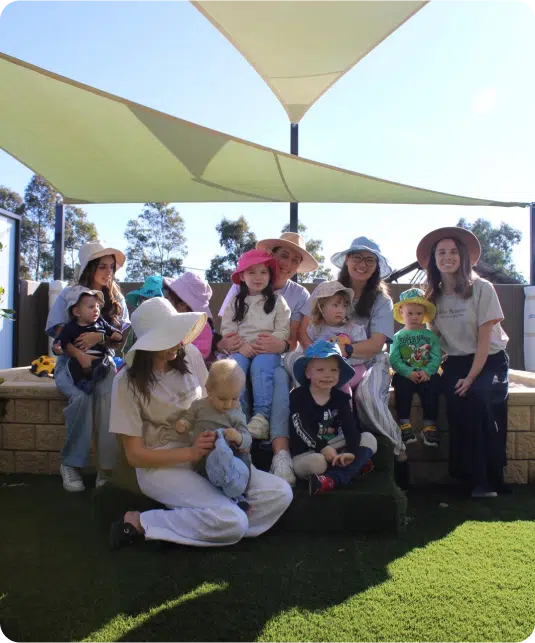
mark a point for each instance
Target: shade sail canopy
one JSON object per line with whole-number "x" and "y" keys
{"x": 302, "y": 48}
{"x": 95, "y": 147}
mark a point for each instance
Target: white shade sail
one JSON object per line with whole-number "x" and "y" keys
{"x": 301, "y": 48}
{"x": 94, "y": 147}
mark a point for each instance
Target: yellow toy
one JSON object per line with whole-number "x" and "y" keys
{"x": 43, "y": 366}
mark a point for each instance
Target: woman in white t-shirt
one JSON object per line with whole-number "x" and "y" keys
{"x": 163, "y": 376}
{"x": 476, "y": 369}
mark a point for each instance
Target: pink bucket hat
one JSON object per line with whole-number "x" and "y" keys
{"x": 193, "y": 290}
{"x": 253, "y": 258}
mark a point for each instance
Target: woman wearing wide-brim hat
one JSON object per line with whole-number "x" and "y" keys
{"x": 164, "y": 374}
{"x": 363, "y": 268}
{"x": 292, "y": 257}
{"x": 475, "y": 373}
{"x": 97, "y": 264}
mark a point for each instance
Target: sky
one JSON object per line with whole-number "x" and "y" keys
{"x": 445, "y": 103}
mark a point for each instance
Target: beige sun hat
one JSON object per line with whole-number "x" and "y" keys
{"x": 469, "y": 239}
{"x": 72, "y": 296}
{"x": 295, "y": 242}
{"x": 330, "y": 288}
{"x": 158, "y": 327}
{"x": 95, "y": 250}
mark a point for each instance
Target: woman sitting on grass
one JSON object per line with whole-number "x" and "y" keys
{"x": 164, "y": 374}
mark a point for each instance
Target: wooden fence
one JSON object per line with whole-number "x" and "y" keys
{"x": 33, "y": 310}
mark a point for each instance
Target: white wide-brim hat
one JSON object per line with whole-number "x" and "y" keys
{"x": 95, "y": 250}
{"x": 294, "y": 242}
{"x": 158, "y": 327}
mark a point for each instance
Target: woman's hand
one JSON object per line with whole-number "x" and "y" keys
{"x": 203, "y": 445}
{"x": 233, "y": 436}
{"x": 247, "y": 350}
{"x": 86, "y": 361}
{"x": 463, "y": 385}
{"x": 343, "y": 460}
{"x": 56, "y": 348}
{"x": 266, "y": 343}
{"x": 87, "y": 340}
{"x": 230, "y": 343}
{"x": 329, "y": 453}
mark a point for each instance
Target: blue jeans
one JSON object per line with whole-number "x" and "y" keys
{"x": 261, "y": 368}
{"x": 79, "y": 414}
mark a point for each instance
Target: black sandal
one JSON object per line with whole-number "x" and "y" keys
{"x": 123, "y": 534}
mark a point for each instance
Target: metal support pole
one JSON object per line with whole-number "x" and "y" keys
{"x": 532, "y": 243}
{"x": 59, "y": 242}
{"x": 294, "y": 149}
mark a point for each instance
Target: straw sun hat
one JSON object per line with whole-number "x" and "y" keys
{"x": 292, "y": 241}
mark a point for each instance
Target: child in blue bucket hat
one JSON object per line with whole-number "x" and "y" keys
{"x": 326, "y": 444}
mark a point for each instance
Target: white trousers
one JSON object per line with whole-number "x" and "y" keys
{"x": 201, "y": 515}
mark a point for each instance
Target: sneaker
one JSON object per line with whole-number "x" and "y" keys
{"x": 481, "y": 492}
{"x": 430, "y": 436}
{"x": 72, "y": 480}
{"x": 123, "y": 534}
{"x": 319, "y": 484}
{"x": 258, "y": 427}
{"x": 281, "y": 466}
{"x": 103, "y": 477}
{"x": 407, "y": 435}
{"x": 367, "y": 468}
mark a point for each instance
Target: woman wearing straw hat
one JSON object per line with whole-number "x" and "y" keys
{"x": 291, "y": 255}
{"x": 96, "y": 270}
{"x": 475, "y": 373}
{"x": 363, "y": 269}
{"x": 163, "y": 376}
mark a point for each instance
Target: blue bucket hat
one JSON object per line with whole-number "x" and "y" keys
{"x": 358, "y": 245}
{"x": 151, "y": 288}
{"x": 322, "y": 349}
{"x": 225, "y": 470}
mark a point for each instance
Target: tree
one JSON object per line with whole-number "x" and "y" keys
{"x": 78, "y": 230}
{"x": 315, "y": 247}
{"x": 11, "y": 200}
{"x": 37, "y": 229}
{"x": 156, "y": 242}
{"x": 235, "y": 237}
{"x": 496, "y": 245}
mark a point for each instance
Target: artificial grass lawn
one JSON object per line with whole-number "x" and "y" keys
{"x": 461, "y": 573}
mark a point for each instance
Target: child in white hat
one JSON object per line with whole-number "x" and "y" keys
{"x": 415, "y": 356}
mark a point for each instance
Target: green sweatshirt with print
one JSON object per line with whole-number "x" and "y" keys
{"x": 415, "y": 350}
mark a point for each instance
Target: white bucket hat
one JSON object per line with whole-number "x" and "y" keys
{"x": 94, "y": 250}
{"x": 158, "y": 327}
{"x": 72, "y": 296}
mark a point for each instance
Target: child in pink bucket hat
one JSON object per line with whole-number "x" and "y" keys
{"x": 257, "y": 309}
{"x": 191, "y": 294}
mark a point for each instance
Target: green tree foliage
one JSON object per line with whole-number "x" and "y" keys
{"x": 78, "y": 230}
{"x": 315, "y": 247}
{"x": 156, "y": 243}
{"x": 11, "y": 201}
{"x": 37, "y": 230}
{"x": 235, "y": 237}
{"x": 497, "y": 245}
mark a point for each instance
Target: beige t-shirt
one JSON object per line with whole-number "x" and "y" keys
{"x": 256, "y": 321}
{"x": 171, "y": 395}
{"x": 458, "y": 320}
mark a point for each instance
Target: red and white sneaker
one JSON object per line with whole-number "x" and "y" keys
{"x": 320, "y": 484}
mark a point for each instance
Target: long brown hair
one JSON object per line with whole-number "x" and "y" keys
{"x": 112, "y": 310}
{"x": 240, "y": 305}
{"x": 464, "y": 277}
{"x": 141, "y": 377}
{"x": 374, "y": 287}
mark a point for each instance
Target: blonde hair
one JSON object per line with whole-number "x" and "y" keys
{"x": 316, "y": 314}
{"x": 225, "y": 373}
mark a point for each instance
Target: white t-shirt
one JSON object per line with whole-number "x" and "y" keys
{"x": 458, "y": 320}
{"x": 171, "y": 395}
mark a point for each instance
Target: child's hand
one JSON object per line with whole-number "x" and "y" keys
{"x": 116, "y": 336}
{"x": 56, "y": 348}
{"x": 247, "y": 350}
{"x": 203, "y": 445}
{"x": 415, "y": 377}
{"x": 424, "y": 377}
{"x": 182, "y": 426}
{"x": 86, "y": 361}
{"x": 329, "y": 454}
{"x": 343, "y": 460}
{"x": 232, "y": 436}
